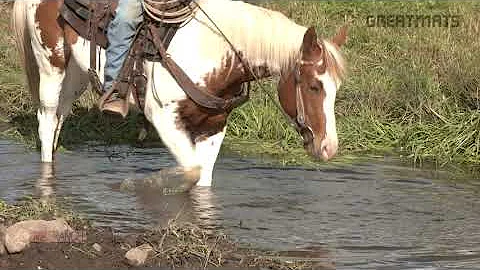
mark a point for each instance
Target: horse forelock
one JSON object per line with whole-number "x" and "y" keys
{"x": 335, "y": 62}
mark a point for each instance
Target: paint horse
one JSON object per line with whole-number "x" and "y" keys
{"x": 56, "y": 61}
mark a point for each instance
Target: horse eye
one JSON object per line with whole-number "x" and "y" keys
{"x": 316, "y": 87}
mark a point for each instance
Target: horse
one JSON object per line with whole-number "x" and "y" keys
{"x": 311, "y": 69}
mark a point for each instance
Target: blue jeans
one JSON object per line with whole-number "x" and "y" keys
{"x": 120, "y": 34}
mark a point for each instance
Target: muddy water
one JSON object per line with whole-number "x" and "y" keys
{"x": 370, "y": 215}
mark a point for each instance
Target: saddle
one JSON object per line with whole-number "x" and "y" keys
{"x": 90, "y": 18}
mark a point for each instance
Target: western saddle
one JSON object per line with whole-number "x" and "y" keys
{"x": 90, "y": 19}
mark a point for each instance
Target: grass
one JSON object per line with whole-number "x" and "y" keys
{"x": 187, "y": 245}
{"x": 412, "y": 92}
{"x": 29, "y": 208}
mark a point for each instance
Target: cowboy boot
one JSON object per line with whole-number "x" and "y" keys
{"x": 113, "y": 102}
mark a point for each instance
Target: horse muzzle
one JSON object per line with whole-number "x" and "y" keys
{"x": 324, "y": 149}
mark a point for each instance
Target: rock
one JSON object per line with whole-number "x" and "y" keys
{"x": 167, "y": 181}
{"x": 21, "y": 234}
{"x": 17, "y": 239}
{"x": 2, "y": 240}
{"x": 97, "y": 247}
{"x": 137, "y": 256}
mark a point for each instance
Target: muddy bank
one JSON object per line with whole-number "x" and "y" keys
{"x": 176, "y": 245}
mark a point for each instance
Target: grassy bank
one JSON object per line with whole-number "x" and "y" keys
{"x": 409, "y": 91}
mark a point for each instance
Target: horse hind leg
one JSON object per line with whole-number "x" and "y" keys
{"x": 48, "y": 124}
{"x": 58, "y": 91}
{"x": 51, "y": 76}
{"x": 73, "y": 85}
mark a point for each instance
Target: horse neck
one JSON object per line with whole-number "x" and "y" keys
{"x": 267, "y": 40}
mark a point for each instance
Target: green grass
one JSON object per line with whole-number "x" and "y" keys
{"x": 412, "y": 92}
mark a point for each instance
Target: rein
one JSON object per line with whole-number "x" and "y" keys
{"x": 197, "y": 93}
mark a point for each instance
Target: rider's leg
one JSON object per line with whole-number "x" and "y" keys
{"x": 120, "y": 33}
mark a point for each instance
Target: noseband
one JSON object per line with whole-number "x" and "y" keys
{"x": 299, "y": 122}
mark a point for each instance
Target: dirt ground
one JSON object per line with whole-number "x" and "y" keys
{"x": 187, "y": 247}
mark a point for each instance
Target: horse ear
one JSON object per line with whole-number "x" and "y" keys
{"x": 341, "y": 37}
{"x": 310, "y": 40}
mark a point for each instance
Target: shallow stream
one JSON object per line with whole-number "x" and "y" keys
{"x": 373, "y": 214}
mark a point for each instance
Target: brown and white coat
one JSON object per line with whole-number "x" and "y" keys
{"x": 57, "y": 60}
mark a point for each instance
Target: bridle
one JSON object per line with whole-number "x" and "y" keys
{"x": 299, "y": 122}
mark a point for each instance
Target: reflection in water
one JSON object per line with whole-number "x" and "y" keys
{"x": 205, "y": 207}
{"x": 45, "y": 184}
{"x": 197, "y": 206}
{"x": 371, "y": 215}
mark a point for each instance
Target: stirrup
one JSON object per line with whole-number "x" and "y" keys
{"x": 118, "y": 105}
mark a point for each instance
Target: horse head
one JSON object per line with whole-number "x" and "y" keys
{"x": 307, "y": 93}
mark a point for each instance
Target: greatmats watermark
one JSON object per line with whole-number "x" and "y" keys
{"x": 53, "y": 236}
{"x": 409, "y": 20}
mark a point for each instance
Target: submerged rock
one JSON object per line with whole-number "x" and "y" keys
{"x": 21, "y": 234}
{"x": 138, "y": 255}
{"x": 167, "y": 181}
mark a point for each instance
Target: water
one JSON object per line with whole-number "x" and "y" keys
{"x": 370, "y": 215}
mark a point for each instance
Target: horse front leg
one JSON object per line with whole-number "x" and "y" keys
{"x": 187, "y": 174}
{"x": 196, "y": 160}
{"x": 207, "y": 151}
{"x": 195, "y": 157}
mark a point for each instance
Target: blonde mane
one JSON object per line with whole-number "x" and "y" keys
{"x": 263, "y": 36}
